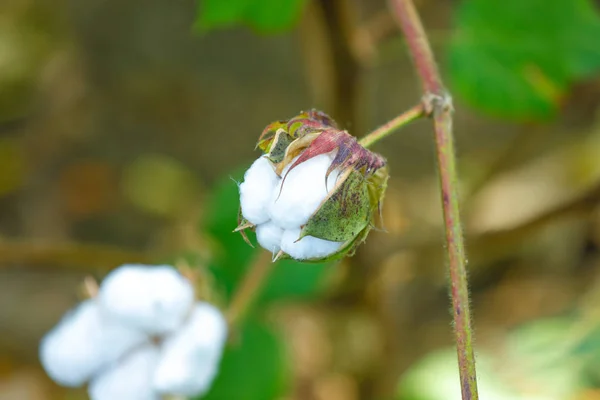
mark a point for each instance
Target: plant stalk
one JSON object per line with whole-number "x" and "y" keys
{"x": 438, "y": 104}
{"x": 390, "y": 127}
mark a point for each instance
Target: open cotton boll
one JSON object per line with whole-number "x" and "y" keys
{"x": 83, "y": 342}
{"x": 155, "y": 299}
{"x": 256, "y": 190}
{"x": 302, "y": 192}
{"x": 131, "y": 379}
{"x": 269, "y": 236}
{"x": 190, "y": 358}
{"x": 308, "y": 247}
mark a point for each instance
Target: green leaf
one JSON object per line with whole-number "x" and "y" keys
{"x": 253, "y": 367}
{"x": 232, "y": 256}
{"x": 262, "y": 15}
{"x": 517, "y": 59}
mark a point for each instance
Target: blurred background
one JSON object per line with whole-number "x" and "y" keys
{"x": 123, "y": 125}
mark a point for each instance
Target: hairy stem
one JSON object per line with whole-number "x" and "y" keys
{"x": 438, "y": 103}
{"x": 418, "y": 45}
{"x": 250, "y": 287}
{"x": 390, "y": 127}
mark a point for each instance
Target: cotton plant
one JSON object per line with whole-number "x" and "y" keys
{"x": 142, "y": 337}
{"x": 314, "y": 193}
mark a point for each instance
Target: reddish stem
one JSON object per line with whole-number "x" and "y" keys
{"x": 438, "y": 103}
{"x": 418, "y": 44}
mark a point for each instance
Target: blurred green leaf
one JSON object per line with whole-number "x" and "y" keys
{"x": 588, "y": 345}
{"x": 516, "y": 59}
{"x": 267, "y": 16}
{"x": 294, "y": 280}
{"x": 588, "y": 349}
{"x": 253, "y": 368}
{"x": 289, "y": 280}
{"x": 531, "y": 363}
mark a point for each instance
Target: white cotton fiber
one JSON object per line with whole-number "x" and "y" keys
{"x": 256, "y": 190}
{"x": 155, "y": 299}
{"x": 269, "y": 236}
{"x": 308, "y": 247}
{"x": 131, "y": 379}
{"x": 302, "y": 192}
{"x": 190, "y": 358}
{"x": 83, "y": 342}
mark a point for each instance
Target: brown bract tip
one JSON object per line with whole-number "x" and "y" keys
{"x": 350, "y": 154}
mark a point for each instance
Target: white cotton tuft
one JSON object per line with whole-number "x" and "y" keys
{"x": 83, "y": 342}
{"x": 302, "y": 192}
{"x": 190, "y": 358}
{"x": 131, "y": 379}
{"x": 308, "y": 247}
{"x": 155, "y": 299}
{"x": 269, "y": 236}
{"x": 256, "y": 190}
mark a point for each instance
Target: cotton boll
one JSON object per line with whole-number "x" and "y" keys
{"x": 302, "y": 192}
{"x": 255, "y": 191}
{"x": 269, "y": 236}
{"x": 155, "y": 299}
{"x": 308, "y": 247}
{"x": 83, "y": 342}
{"x": 131, "y": 379}
{"x": 190, "y": 358}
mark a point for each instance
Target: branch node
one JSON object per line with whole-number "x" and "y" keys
{"x": 436, "y": 104}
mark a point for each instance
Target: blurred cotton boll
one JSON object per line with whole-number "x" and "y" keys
{"x": 190, "y": 358}
{"x": 83, "y": 342}
{"x": 143, "y": 337}
{"x": 130, "y": 379}
{"x": 155, "y": 299}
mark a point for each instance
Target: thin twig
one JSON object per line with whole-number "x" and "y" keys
{"x": 390, "y": 127}
{"x": 250, "y": 287}
{"x": 439, "y": 104}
